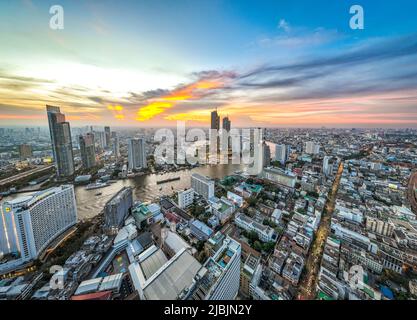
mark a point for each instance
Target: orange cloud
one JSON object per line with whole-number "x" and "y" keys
{"x": 197, "y": 116}
{"x": 190, "y": 92}
{"x": 117, "y": 111}
{"x": 115, "y": 108}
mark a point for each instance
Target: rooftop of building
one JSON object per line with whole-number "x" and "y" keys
{"x": 216, "y": 238}
{"x": 221, "y": 205}
{"x": 174, "y": 241}
{"x": 255, "y": 188}
{"x": 216, "y": 265}
{"x": 119, "y": 195}
{"x": 35, "y": 197}
{"x": 105, "y": 295}
{"x": 251, "y": 264}
{"x": 109, "y": 283}
{"x": 256, "y": 225}
{"x": 141, "y": 212}
{"x": 163, "y": 279}
{"x": 202, "y": 227}
{"x": 202, "y": 178}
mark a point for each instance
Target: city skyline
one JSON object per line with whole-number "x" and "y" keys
{"x": 199, "y": 151}
{"x": 273, "y": 64}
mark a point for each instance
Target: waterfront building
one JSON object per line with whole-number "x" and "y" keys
{"x": 61, "y": 141}
{"x": 202, "y": 186}
{"x": 136, "y": 154}
{"x": 29, "y": 224}
{"x": 117, "y": 209}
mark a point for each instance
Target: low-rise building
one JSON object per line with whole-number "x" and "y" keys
{"x": 265, "y": 233}
{"x": 185, "y": 198}
{"x": 200, "y": 230}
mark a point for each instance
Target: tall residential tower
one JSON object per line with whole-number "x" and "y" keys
{"x": 88, "y": 150}
{"x": 136, "y": 153}
{"x": 61, "y": 142}
{"x": 215, "y": 120}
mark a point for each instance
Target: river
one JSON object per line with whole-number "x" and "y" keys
{"x": 145, "y": 187}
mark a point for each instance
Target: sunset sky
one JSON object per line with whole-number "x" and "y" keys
{"x": 279, "y": 63}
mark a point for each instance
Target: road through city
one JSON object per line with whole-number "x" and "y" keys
{"x": 412, "y": 191}
{"x": 308, "y": 283}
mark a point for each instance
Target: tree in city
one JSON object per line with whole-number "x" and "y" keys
{"x": 252, "y": 201}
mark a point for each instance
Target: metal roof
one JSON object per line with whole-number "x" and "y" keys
{"x": 174, "y": 278}
{"x": 152, "y": 263}
{"x": 112, "y": 282}
{"x": 87, "y": 286}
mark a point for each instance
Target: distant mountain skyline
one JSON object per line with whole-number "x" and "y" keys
{"x": 263, "y": 63}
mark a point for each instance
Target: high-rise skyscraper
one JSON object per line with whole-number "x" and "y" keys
{"x": 267, "y": 155}
{"x": 327, "y": 166}
{"x": 25, "y": 151}
{"x": 107, "y": 136}
{"x": 215, "y": 120}
{"x": 136, "y": 148}
{"x": 100, "y": 138}
{"x": 29, "y": 224}
{"x": 88, "y": 150}
{"x": 282, "y": 153}
{"x": 258, "y": 152}
{"x": 221, "y": 276}
{"x": 61, "y": 142}
{"x": 117, "y": 208}
{"x": 116, "y": 146}
{"x": 226, "y": 124}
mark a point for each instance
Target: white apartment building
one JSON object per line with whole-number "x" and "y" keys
{"x": 29, "y": 224}
{"x": 352, "y": 214}
{"x": 265, "y": 233}
{"x": 222, "y": 208}
{"x": 281, "y": 153}
{"x": 185, "y": 198}
{"x": 202, "y": 186}
{"x": 236, "y": 199}
{"x": 312, "y": 148}
{"x": 279, "y": 176}
{"x": 382, "y": 227}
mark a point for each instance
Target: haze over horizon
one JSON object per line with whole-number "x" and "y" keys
{"x": 269, "y": 63}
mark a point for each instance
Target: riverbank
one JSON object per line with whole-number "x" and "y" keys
{"x": 145, "y": 188}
